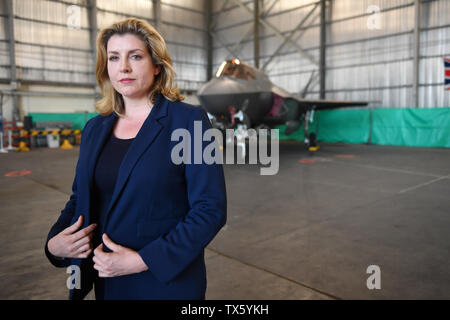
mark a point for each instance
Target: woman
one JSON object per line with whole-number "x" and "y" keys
{"x": 137, "y": 223}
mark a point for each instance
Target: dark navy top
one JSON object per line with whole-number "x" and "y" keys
{"x": 105, "y": 176}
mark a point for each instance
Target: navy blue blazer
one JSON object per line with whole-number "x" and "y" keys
{"x": 168, "y": 213}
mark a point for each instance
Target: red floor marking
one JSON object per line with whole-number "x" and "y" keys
{"x": 346, "y": 156}
{"x": 17, "y": 173}
{"x": 307, "y": 161}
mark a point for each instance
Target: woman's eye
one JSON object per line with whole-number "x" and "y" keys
{"x": 136, "y": 57}
{"x": 113, "y": 58}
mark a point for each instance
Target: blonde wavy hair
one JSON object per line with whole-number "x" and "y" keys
{"x": 112, "y": 100}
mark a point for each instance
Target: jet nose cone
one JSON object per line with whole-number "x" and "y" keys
{"x": 216, "y": 95}
{"x": 219, "y": 86}
{"x": 204, "y": 89}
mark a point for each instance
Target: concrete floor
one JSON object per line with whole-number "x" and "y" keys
{"x": 309, "y": 232}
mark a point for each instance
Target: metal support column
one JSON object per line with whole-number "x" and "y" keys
{"x": 323, "y": 37}
{"x": 209, "y": 40}
{"x": 416, "y": 54}
{"x": 256, "y": 33}
{"x": 157, "y": 14}
{"x": 92, "y": 16}
{"x": 12, "y": 59}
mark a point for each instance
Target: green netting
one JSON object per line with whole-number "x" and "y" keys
{"x": 345, "y": 125}
{"x": 78, "y": 119}
{"x": 412, "y": 127}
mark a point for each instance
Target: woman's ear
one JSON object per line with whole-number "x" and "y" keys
{"x": 157, "y": 69}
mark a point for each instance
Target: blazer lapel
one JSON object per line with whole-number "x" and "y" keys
{"x": 145, "y": 137}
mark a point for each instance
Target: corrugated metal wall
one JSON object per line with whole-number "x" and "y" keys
{"x": 184, "y": 28}
{"x": 368, "y": 56}
{"x": 369, "y": 47}
{"x": 46, "y": 49}
{"x": 435, "y": 44}
{"x": 4, "y": 46}
{"x": 52, "y": 38}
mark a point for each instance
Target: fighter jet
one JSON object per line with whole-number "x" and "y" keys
{"x": 243, "y": 96}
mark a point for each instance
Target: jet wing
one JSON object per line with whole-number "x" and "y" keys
{"x": 318, "y": 104}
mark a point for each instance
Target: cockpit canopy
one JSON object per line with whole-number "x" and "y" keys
{"x": 235, "y": 69}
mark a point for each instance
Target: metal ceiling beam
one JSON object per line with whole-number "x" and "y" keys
{"x": 182, "y": 8}
{"x": 275, "y": 14}
{"x": 50, "y": 23}
{"x": 47, "y": 94}
{"x": 278, "y": 33}
{"x": 289, "y": 37}
{"x": 52, "y": 46}
{"x": 330, "y": 22}
{"x": 222, "y": 43}
{"x": 237, "y": 46}
{"x": 213, "y": 24}
{"x": 269, "y": 8}
{"x": 216, "y": 36}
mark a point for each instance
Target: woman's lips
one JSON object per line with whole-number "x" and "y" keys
{"x": 127, "y": 80}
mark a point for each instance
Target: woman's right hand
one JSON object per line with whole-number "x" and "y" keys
{"x": 71, "y": 243}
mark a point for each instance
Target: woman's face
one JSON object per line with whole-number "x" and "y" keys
{"x": 130, "y": 66}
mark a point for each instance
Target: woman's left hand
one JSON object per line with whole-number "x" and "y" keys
{"x": 121, "y": 261}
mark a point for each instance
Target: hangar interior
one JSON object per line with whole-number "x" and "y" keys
{"x": 376, "y": 193}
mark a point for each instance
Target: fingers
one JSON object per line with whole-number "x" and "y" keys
{"x": 81, "y": 250}
{"x": 74, "y": 227}
{"x": 101, "y": 271}
{"x": 99, "y": 253}
{"x": 101, "y": 265}
{"x": 82, "y": 244}
{"x": 79, "y": 243}
{"x": 110, "y": 244}
{"x": 100, "y": 261}
{"x": 84, "y": 254}
{"x": 83, "y": 232}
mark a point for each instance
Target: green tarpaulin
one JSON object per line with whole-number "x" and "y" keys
{"x": 348, "y": 125}
{"x": 78, "y": 119}
{"x": 384, "y": 126}
{"x": 412, "y": 127}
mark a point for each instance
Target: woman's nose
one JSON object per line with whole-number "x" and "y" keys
{"x": 125, "y": 66}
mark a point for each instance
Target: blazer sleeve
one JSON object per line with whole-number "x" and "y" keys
{"x": 69, "y": 210}
{"x": 170, "y": 254}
